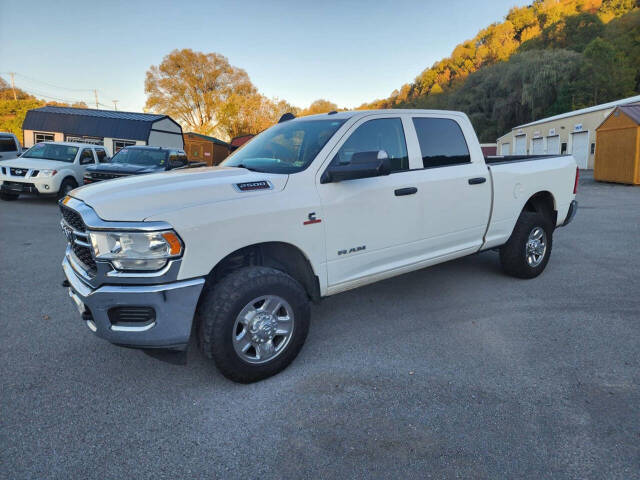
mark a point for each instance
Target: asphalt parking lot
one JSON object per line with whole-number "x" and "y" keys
{"x": 454, "y": 371}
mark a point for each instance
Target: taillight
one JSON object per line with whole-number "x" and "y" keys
{"x": 575, "y": 185}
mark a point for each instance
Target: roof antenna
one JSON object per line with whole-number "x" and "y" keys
{"x": 287, "y": 116}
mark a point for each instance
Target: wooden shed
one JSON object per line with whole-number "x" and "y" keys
{"x": 618, "y": 146}
{"x": 202, "y": 148}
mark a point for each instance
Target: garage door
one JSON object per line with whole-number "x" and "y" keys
{"x": 580, "y": 148}
{"x": 553, "y": 145}
{"x": 521, "y": 145}
{"x": 537, "y": 146}
{"x": 504, "y": 149}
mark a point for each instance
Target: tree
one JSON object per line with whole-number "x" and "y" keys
{"x": 319, "y": 106}
{"x": 196, "y": 89}
{"x": 251, "y": 114}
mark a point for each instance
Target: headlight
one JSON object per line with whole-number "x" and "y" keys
{"x": 47, "y": 173}
{"x": 136, "y": 250}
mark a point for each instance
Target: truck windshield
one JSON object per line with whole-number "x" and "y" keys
{"x": 141, "y": 156}
{"x": 287, "y": 147}
{"x": 52, "y": 151}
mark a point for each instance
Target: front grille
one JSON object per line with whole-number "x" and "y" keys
{"x": 118, "y": 315}
{"x": 105, "y": 176}
{"x": 35, "y": 173}
{"x": 19, "y": 187}
{"x": 18, "y": 172}
{"x": 73, "y": 219}
{"x": 4, "y": 171}
{"x": 83, "y": 254}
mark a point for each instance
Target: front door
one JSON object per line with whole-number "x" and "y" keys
{"x": 372, "y": 224}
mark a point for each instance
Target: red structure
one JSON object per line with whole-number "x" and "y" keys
{"x": 239, "y": 141}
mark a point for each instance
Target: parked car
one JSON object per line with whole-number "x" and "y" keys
{"x": 309, "y": 208}
{"x": 139, "y": 160}
{"x": 48, "y": 168}
{"x": 9, "y": 146}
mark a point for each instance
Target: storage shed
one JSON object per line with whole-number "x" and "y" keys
{"x": 237, "y": 142}
{"x": 112, "y": 129}
{"x": 202, "y": 148}
{"x": 618, "y": 146}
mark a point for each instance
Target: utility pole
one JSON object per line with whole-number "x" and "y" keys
{"x": 95, "y": 93}
{"x": 13, "y": 86}
{"x": 115, "y": 105}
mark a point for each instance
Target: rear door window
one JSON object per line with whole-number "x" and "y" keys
{"x": 442, "y": 142}
{"x": 102, "y": 155}
{"x": 7, "y": 144}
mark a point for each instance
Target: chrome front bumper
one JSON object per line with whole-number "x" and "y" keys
{"x": 174, "y": 304}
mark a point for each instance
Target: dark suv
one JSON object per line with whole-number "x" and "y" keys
{"x": 138, "y": 160}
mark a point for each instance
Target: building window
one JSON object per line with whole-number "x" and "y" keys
{"x": 563, "y": 148}
{"x": 120, "y": 144}
{"x": 42, "y": 137}
{"x": 593, "y": 148}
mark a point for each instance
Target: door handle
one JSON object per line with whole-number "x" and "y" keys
{"x": 405, "y": 191}
{"x": 477, "y": 180}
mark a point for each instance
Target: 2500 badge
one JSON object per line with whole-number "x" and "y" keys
{"x": 352, "y": 250}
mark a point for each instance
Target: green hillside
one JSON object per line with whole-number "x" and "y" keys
{"x": 547, "y": 58}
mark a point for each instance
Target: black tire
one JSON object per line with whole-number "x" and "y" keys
{"x": 9, "y": 197}
{"x": 513, "y": 254}
{"x": 66, "y": 186}
{"x": 221, "y": 304}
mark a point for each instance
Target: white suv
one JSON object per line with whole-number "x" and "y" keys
{"x": 49, "y": 168}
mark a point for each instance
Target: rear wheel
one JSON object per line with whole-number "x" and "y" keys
{"x": 8, "y": 197}
{"x": 66, "y": 186}
{"x": 253, "y": 323}
{"x": 527, "y": 252}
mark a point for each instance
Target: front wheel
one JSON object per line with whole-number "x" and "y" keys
{"x": 527, "y": 252}
{"x": 8, "y": 197}
{"x": 66, "y": 186}
{"x": 253, "y": 323}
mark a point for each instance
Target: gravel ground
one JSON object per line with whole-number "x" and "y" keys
{"x": 455, "y": 371}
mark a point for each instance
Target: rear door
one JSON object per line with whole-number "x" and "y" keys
{"x": 454, "y": 186}
{"x": 371, "y": 226}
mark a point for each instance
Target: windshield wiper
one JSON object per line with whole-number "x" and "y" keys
{"x": 251, "y": 169}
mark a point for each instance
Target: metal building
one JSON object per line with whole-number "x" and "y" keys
{"x": 571, "y": 132}
{"x": 112, "y": 129}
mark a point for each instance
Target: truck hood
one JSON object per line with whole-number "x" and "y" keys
{"x": 35, "y": 164}
{"x": 135, "y": 198}
{"x": 124, "y": 168}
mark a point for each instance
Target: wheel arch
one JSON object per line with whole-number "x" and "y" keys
{"x": 542, "y": 202}
{"x": 278, "y": 255}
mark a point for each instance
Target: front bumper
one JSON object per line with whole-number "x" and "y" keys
{"x": 573, "y": 208}
{"x": 45, "y": 185}
{"x": 174, "y": 305}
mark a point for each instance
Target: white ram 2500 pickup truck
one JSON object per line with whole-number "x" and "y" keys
{"x": 310, "y": 207}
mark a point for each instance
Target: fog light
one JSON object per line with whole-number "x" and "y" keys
{"x": 46, "y": 187}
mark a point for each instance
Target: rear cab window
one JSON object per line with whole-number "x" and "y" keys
{"x": 101, "y": 155}
{"x": 442, "y": 142}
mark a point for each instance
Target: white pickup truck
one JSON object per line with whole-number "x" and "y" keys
{"x": 310, "y": 207}
{"x": 48, "y": 168}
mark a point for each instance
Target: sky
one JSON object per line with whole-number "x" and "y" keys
{"x": 349, "y": 52}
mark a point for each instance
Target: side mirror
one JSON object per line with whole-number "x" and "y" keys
{"x": 362, "y": 165}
